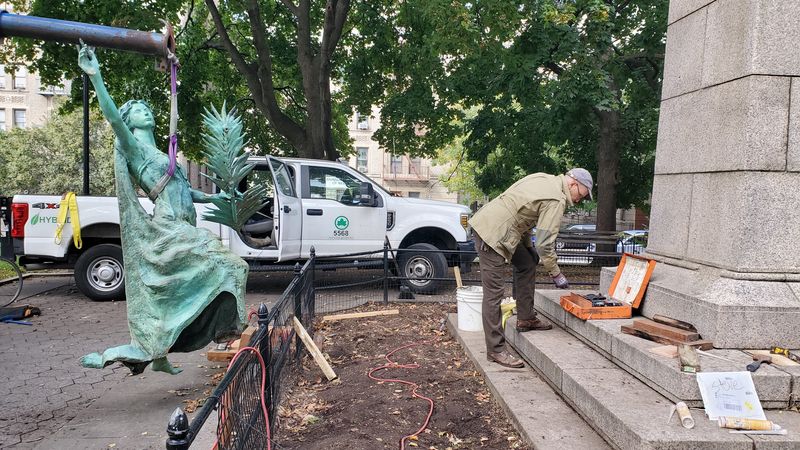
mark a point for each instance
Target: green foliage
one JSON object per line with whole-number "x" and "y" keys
{"x": 227, "y": 161}
{"x": 540, "y": 74}
{"x": 48, "y": 160}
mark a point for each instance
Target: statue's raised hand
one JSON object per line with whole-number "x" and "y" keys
{"x": 87, "y": 60}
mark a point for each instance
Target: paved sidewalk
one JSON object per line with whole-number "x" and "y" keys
{"x": 48, "y": 401}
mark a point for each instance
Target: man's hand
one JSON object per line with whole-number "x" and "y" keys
{"x": 561, "y": 281}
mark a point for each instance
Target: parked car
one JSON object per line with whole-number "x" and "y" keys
{"x": 570, "y": 247}
{"x": 632, "y": 241}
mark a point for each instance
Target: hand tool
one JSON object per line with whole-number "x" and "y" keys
{"x": 758, "y": 360}
{"x": 785, "y": 352}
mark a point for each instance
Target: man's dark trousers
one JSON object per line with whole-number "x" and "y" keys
{"x": 492, "y": 266}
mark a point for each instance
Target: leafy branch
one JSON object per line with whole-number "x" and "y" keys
{"x": 223, "y": 150}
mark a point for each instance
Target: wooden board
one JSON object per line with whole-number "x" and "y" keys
{"x": 778, "y": 360}
{"x": 358, "y": 315}
{"x": 247, "y": 335}
{"x": 674, "y": 323}
{"x": 667, "y": 351}
{"x": 667, "y": 331}
{"x": 312, "y": 348}
{"x": 701, "y": 344}
{"x": 457, "y": 273}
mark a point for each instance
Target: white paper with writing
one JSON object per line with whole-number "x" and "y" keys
{"x": 730, "y": 394}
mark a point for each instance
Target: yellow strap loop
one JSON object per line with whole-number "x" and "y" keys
{"x": 69, "y": 204}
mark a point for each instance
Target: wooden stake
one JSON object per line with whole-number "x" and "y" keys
{"x": 358, "y": 315}
{"x": 312, "y": 348}
{"x": 457, "y": 273}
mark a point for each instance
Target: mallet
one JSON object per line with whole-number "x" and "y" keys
{"x": 758, "y": 360}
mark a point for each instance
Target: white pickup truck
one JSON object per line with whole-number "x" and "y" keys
{"x": 321, "y": 204}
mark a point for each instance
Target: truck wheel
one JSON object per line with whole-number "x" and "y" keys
{"x": 99, "y": 273}
{"x": 422, "y": 264}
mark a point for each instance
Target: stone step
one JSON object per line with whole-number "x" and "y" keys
{"x": 542, "y": 418}
{"x": 624, "y": 410}
{"x": 777, "y": 387}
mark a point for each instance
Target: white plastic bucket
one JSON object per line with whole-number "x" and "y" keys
{"x": 469, "y": 299}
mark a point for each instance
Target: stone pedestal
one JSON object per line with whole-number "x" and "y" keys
{"x": 725, "y": 223}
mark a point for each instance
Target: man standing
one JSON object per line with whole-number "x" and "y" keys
{"x": 502, "y": 233}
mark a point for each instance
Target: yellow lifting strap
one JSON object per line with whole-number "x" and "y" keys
{"x": 69, "y": 203}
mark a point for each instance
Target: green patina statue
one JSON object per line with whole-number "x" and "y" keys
{"x": 183, "y": 287}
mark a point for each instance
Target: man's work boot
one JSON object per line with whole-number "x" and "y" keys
{"x": 533, "y": 324}
{"x": 506, "y": 359}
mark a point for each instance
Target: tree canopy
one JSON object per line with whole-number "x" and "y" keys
{"x": 48, "y": 160}
{"x": 555, "y": 83}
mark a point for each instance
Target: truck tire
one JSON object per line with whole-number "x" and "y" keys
{"x": 99, "y": 273}
{"x": 422, "y": 264}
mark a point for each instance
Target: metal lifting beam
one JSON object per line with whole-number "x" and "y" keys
{"x": 42, "y": 28}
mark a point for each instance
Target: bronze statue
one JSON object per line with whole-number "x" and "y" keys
{"x": 183, "y": 287}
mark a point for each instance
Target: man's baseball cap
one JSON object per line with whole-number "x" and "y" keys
{"x": 583, "y": 177}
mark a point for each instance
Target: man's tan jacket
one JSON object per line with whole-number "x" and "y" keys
{"x": 538, "y": 199}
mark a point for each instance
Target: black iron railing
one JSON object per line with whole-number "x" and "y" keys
{"x": 246, "y": 399}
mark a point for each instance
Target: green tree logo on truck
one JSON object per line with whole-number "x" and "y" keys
{"x": 341, "y": 223}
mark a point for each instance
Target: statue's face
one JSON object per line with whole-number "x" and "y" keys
{"x": 141, "y": 117}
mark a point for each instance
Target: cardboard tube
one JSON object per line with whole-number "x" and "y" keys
{"x": 684, "y": 415}
{"x": 739, "y": 423}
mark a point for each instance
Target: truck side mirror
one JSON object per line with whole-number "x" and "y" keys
{"x": 366, "y": 194}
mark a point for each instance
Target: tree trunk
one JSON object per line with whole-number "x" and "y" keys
{"x": 607, "y": 157}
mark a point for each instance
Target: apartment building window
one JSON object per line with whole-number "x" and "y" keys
{"x": 396, "y": 164}
{"x": 2, "y": 120}
{"x": 362, "y": 121}
{"x": 19, "y": 118}
{"x": 413, "y": 194}
{"x": 361, "y": 159}
{"x": 415, "y": 166}
{"x": 2, "y": 76}
{"x": 20, "y": 78}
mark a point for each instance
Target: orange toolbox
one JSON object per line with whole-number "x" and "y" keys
{"x": 630, "y": 282}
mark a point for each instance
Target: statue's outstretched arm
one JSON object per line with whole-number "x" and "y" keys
{"x": 88, "y": 62}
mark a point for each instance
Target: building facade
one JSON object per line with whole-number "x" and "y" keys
{"x": 399, "y": 174}
{"x": 24, "y": 102}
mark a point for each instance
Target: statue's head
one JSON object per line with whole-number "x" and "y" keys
{"x": 137, "y": 114}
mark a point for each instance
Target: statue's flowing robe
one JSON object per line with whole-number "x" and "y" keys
{"x": 183, "y": 287}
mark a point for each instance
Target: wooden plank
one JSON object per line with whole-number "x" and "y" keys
{"x": 247, "y": 335}
{"x": 674, "y": 323}
{"x": 312, "y": 348}
{"x": 700, "y": 344}
{"x": 667, "y": 331}
{"x": 667, "y": 351}
{"x": 358, "y": 315}
{"x": 220, "y": 355}
{"x": 457, "y": 273}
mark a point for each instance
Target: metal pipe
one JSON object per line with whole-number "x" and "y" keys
{"x": 42, "y": 28}
{"x": 86, "y": 134}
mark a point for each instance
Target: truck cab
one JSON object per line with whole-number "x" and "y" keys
{"x": 324, "y": 205}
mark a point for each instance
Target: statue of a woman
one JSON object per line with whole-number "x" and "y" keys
{"x": 183, "y": 287}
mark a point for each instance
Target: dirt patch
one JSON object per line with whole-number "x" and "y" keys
{"x": 360, "y": 413}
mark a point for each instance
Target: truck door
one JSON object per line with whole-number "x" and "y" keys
{"x": 334, "y": 221}
{"x": 288, "y": 227}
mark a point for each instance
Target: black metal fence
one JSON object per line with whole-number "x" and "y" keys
{"x": 246, "y": 399}
{"x": 428, "y": 274}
